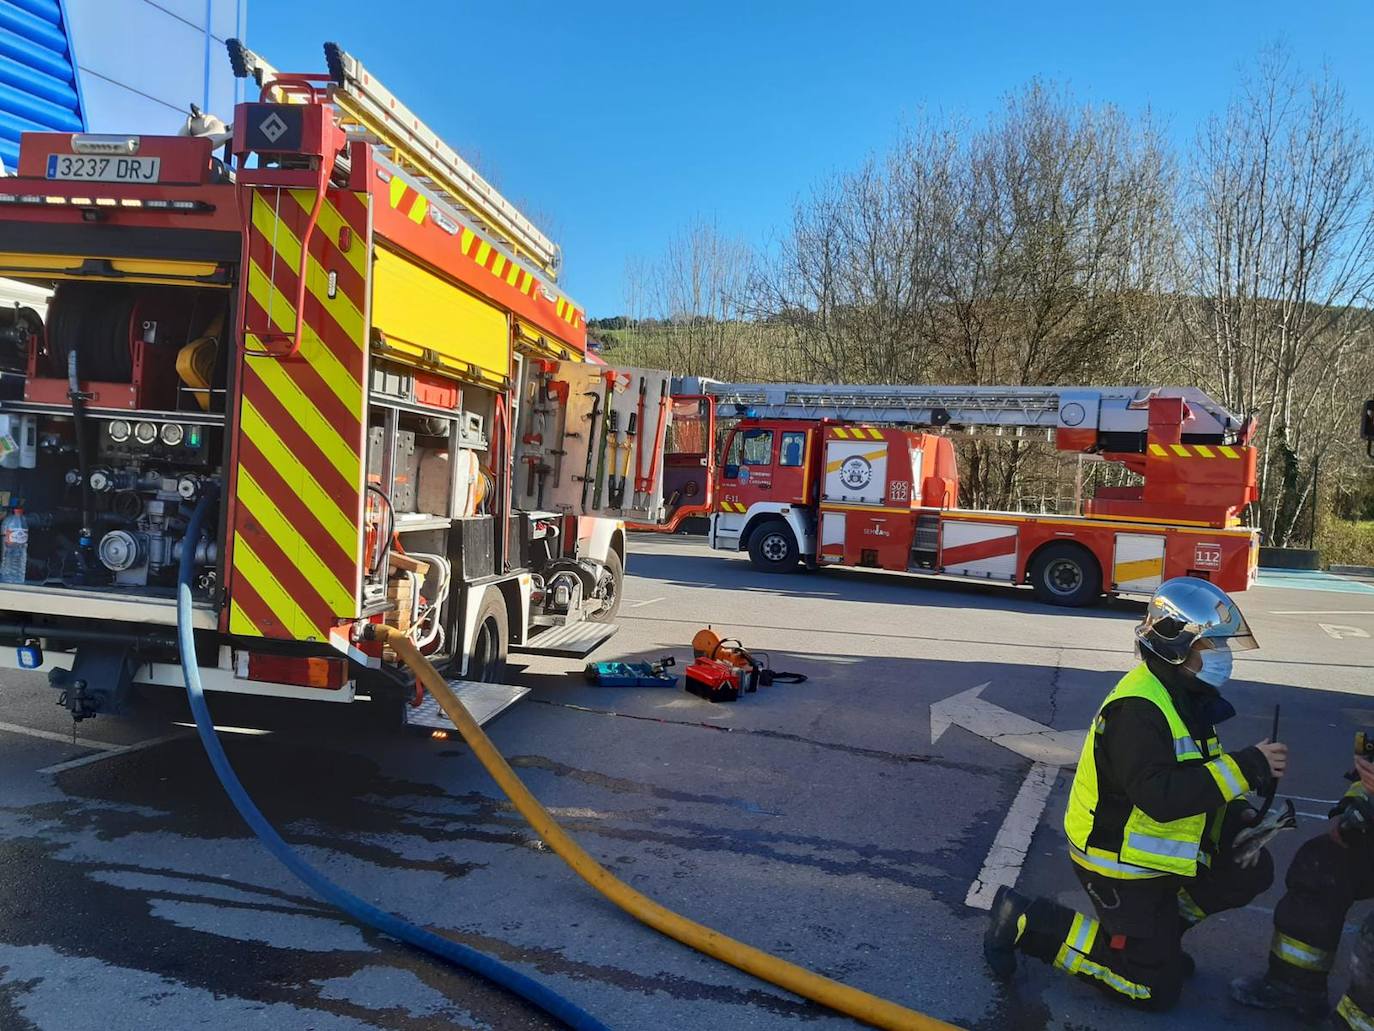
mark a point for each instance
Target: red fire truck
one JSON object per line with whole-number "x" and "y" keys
{"x": 355, "y": 353}
{"x": 838, "y": 475}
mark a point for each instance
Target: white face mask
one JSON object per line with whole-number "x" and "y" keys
{"x": 1216, "y": 666}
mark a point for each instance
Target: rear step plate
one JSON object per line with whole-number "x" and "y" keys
{"x": 483, "y": 702}
{"x": 570, "y": 641}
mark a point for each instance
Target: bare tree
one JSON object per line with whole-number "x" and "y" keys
{"x": 1281, "y": 256}
{"x": 1053, "y": 244}
{"x": 849, "y": 284}
{"x": 685, "y": 307}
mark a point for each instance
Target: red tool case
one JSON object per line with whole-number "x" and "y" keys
{"x": 718, "y": 681}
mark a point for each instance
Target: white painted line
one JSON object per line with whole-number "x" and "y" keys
{"x": 1309, "y": 798}
{"x": 641, "y": 604}
{"x": 1009, "y": 848}
{"x": 112, "y": 753}
{"x": 49, "y": 735}
{"x": 1322, "y": 612}
{"x": 248, "y": 731}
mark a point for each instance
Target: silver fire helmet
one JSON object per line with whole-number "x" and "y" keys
{"x": 1185, "y": 610}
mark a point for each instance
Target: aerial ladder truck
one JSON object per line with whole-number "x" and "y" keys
{"x": 347, "y": 337}
{"x": 867, "y": 476}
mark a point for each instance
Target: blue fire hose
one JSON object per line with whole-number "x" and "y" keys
{"x": 460, "y": 955}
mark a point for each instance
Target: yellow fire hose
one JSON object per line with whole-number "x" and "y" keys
{"x": 840, "y": 997}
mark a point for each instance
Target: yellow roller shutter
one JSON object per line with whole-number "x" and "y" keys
{"x": 431, "y": 322}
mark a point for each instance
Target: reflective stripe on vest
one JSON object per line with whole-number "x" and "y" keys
{"x": 1186, "y": 748}
{"x": 1227, "y": 773}
{"x": 1148, "y": 847}
{"x": 1107, "y": 864}
{"x": 1354, "y": 1017}
{"x": 1166, "y": 848}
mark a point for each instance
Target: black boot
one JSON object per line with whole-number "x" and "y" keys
{"x": 1188, "y": 965}
{"x": 1267, "y": 993}
{"x": 999, "y": 941}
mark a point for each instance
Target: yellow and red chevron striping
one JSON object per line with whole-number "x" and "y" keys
{"x": 404, "y": 199}
{"x": 296, "y": 505}
{"x": 1197, "y": 451}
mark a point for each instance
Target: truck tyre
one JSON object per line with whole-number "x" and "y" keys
{"x": 773, "y": 548}
{"x": 1066, "y": 574}
{"x": 614, "y": 579}
{"x": 490, "y": 642}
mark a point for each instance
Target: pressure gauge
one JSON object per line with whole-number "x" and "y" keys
{"x": 119, "y": 430}
{"x": 173, "y": 434}
{"x": 145, "y": 433}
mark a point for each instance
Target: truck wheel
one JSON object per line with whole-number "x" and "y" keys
{"x": 613, "y": 581}
{"x": 1066, "y": 574}
{"x": 490, "y": 642}
{"x": 772, "y": 548}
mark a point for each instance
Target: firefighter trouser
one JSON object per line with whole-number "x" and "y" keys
{"x": 1324, "y": 881}
{"x": 1131, "y": 948}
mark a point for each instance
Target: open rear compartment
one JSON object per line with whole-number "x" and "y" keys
{"x": 429, "y": 523}
{"x": 112, "y": 424}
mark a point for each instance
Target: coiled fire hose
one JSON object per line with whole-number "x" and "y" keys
{"x": 364, "y": 912}
{"x": 870, "y": 1009}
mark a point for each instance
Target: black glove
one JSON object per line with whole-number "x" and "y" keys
{"x": 1356, "y": 815}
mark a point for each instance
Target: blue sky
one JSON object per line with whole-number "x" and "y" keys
{"x": 613, "y": 125}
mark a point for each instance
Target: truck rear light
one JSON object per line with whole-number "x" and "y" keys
{"x": 196, "y": 206}
{"x": 325, "y": 674}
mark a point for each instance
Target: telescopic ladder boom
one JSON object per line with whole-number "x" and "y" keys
{"x": 1106, "y": 410}
{"x": 369, "y": 111}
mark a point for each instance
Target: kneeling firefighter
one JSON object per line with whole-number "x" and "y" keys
{"x": 1154, "y": 806}
{"x": 1328, "y": 875}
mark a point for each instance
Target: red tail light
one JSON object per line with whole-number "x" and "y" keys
{"x": 326, "y": 674}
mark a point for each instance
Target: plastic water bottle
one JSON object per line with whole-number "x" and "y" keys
{"x": 14, "y": 538}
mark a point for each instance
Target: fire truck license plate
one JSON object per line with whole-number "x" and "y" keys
{"x": 96, "y": 169}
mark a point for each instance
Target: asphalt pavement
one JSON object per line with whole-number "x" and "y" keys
{"x": 817, "y": 820}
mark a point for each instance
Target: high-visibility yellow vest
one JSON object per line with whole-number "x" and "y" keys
{"x": 1148, "y": 847}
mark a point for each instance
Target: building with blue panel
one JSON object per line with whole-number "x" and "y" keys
{"x": 128, "y": 66}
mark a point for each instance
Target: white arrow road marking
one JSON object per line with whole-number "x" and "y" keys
{"x": 1047, "y": 748}
{"x": 1340, "y": 632}
{"x": 1024, "y": 736}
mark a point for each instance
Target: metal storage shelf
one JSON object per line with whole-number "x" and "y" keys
{"x": 138, "y": 414}
{"x": 406, "y": 524}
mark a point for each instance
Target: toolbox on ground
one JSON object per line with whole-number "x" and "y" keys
{"x": 631, "y": 674}
{"x": 718, "y": 681}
